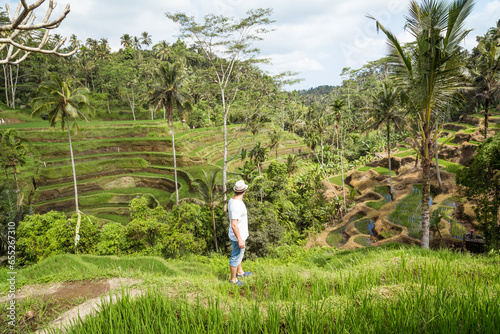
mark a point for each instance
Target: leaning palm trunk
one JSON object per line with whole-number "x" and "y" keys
{"x": 215, "y": 231}
{"x": 486, "y": 117}
{"x": 389, "y": 158}
{"x": 438, "y": 173}
{"x": 77, "y": 228}
{"x": 426, "y": 169}
{"x": 175, "y": 168}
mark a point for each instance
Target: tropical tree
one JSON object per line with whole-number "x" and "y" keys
{"x": 340, "y": 133}
{"x": 161, "y": 50}
{"x": 146, "y": 39}
{"x": 61, "y": 101}
{"x": 481, "y": 183}
{"x": 12, "y": 210}
{"x": 485, "y": 74}
{"x": 384, "y": 112}
{"x": 126, "y": 40}
{"x": 259, "y": 155}
{"x": 275, "y": 138}
{"x": 209, "y": 190}
{"x": 227, "y": 45}
{"x": 430, "y": 70}
{"x": 14, "y": 152}
{"x": 170, "y": 94}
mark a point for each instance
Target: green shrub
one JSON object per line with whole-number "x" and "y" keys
{"x": 40, "y": 236}
{"x": 112, "y": 239}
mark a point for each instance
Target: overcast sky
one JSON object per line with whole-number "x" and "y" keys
{"x": 316, "y": 38}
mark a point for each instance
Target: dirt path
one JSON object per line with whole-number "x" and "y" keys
{"x": 63, "y": 296}
{"x": 92, "y": 305}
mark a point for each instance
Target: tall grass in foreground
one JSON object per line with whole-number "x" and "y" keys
{"x": 392, "y": 289}
{"x": 422, "y": 310}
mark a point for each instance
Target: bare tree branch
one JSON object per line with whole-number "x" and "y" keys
{"x": 23, "y": 21}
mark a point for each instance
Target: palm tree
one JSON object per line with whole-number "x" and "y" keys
{"x": 384, "y": 112}
{"x": 275, "y": 138}
{"x": 146, "y": 38}
{"x": 61, "y": 101}
{"x": 126, "y": 40}
{"x": 430, "y": 69}
{"x": 136, "y": 43}
{"x": 259, "y": 155}
{"x": 207, "y": 187}
{"x": 161, "y": 50}
{"x": 337, "y": 106}
{"x": 170, "y": 94}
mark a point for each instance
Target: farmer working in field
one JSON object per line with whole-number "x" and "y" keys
{"x": 238, "y": 232}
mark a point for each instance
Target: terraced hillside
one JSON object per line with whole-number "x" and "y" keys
{"x": 376, "y": 218}
{"x": 117, "y": 161}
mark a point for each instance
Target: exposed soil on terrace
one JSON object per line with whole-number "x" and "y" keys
{"x": 62, "y": 303}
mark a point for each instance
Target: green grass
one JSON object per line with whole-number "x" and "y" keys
{"x": 363, "y": 241}
{"x": 388, "y": 289}
{"x": 336, "y": 180}
{"x": 376, "y": 205}
{"x": 447, "y": 141}
{"x": 450, "y": 167}
{"x": 364, "y": 225}
{"x": 335, "y": 238}
{"x": 408, "y": 212}
{"x": 380, "y": 170}
{"x": 405, "y": 153}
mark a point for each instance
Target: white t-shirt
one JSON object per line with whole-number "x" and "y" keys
{"x": 238, "y": 210}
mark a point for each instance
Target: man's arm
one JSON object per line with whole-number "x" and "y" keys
{"x": 236, "y": 231}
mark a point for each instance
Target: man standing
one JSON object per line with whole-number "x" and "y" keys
{"x": 238, "y": 232}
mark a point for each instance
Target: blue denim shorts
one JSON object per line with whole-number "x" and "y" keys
{"x": 236, "y": 254}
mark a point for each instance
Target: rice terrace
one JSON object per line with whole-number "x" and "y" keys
{"x": 373, "y": 201}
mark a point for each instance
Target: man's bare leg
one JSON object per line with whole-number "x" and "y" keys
{"x": 240, "y": 270}
{"x": 234, "y": 270}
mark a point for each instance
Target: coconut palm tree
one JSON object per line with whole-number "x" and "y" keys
{"x": 430, "y": 68}
{"x": 161, "y": 50}
{"x": 259, "y": 155}
{"x": 208, "y": 189}
{"x": 126, "y": 40}
{"x": 61, "y": 101}
{"x": 170, "y": 94}
{"x": 385, "y": 111}
{"x": 146, "y": 39}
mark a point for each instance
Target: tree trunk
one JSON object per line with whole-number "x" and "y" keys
{"x": 486, "y": 117}
{"x": 72, "y": 164}
{"x": 224, "y": 164}
{"x": 215, "y": 231}
{"x": 342, "y": 168}
{"x": 133, "y": 103}
{"x": 6, "y": 79}
{"x": 389, "y": 159}
{"x": 13, "y": 85}
{"x": 426, "y": 168}
{"x": 438, "y": 173}
{"x": 107, "y": 100}
{"x": 175, "y": 167}
{"x": 15, "y": 178}
{"x": 77, "y": 228}
{"x": 322, "y": 155}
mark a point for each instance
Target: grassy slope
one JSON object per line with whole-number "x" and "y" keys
{"x": 373, "y": 290}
